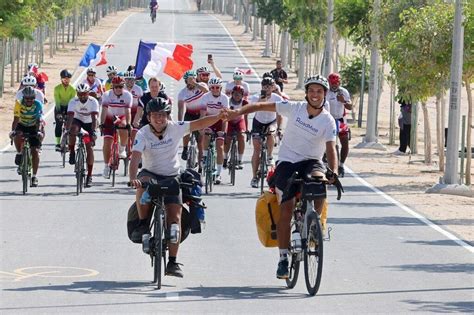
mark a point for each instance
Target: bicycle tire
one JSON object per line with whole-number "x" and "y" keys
{"x": 233, "y": 161}
{"x": 263, "y": 164}
{"x": 83, "y": 170}
{"x": 63, "y": 155}
{"x": 79, "y": 164}
{"x": 115, "y": 162}
{"x": 25, "y": 168}
{"x": 126, "y": 161}
{"x": 313, "y": 253}
{"x": 294, "y": 270}
{"x": 211, "y": 169}
{"x": 158, "y": 247}
{"x": 192, "y": 155}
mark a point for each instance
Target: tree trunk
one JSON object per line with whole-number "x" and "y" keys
{"x": 469, "y": 132}
{"x": 3, "y": 45}
{"x": 13, "y": 49}
{"x": 18, "y": 59}
{"x": 301, "y": 54}
{"x": 427, "y": 133}
{"x": 393, "y": 119}
{"x": 414, "y": 129}
{"x": 439, "y": 132}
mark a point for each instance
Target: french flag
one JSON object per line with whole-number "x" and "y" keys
{"x": 94, "y": 55}
{"x": 154, "y": 59}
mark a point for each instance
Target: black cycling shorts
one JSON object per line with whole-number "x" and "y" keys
{"x": 34, "y": 141}
{"x": 176, "y": 199}
{"x": 86, "y": 126}
{"x": 191, "y": 117}
{"x": 285, "y": 170}
{"x": 258, "y": 127}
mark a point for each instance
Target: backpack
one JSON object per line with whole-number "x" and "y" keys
{"x": 192, "y": 198}
{"x": 267, "y": 214}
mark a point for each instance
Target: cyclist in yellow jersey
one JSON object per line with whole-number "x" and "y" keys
{"x": 63, "y": 93}
{"x": 27, "y": 118}
{"x": 111, "y": 73}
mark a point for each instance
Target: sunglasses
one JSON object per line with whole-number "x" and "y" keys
{"x": 29, "y": 98}
{"x": 91, "y": 74}
{"x": 214, "y": 87}
{"x": 205, "y": 74}
{"x": 118, "y": 87}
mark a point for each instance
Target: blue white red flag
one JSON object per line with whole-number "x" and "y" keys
{"x": 94, "y": 55}
{"x": 154, "y": 59}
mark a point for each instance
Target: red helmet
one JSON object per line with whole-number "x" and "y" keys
{"x": 334, "y": 78}
{"x": 118, "y": 81}
{"x": 238, "y": 89}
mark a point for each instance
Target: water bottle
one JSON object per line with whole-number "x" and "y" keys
{"x": 174, "y": 233}
{"x": 296, "y": 241}
{"x": 145, "y": 198}
{"x": 146, "y": 243}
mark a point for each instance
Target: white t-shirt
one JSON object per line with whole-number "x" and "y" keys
{"x": 83, "y": 111}
{"x": 337, "y": 108}
{"x": 137, "y": 92}
{"x": 192, "y": 98}
{"x": 213, "y": 104}
{"x": 95, "y": 86}
{"x": 116, "y": 105}
{"x": 263, "y": 116}
{"x": 230, "y": 85}
{"x": 304, "y": 138}
{"x": 39, "y": 96}
{"x": 161, "y": 156}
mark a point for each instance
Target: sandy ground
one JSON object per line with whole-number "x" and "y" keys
{"x": 405, "y": 178}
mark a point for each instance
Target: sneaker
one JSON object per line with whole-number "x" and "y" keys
{"x": 340, "y": 171}
{"x": 254, "y": 182}
{"x": 217, "y": 180}
{"x": 225, "y": 163}
{"x": 398, "y": 152}
{"x": 136, "y": 236}
{"x": 173, "y": 269}
{"x": 18, "y": 170}
{"x": 34, "y": 181}
{"x": 239, "y": 165}
{"x": 72, "y": 157}
{"x": 18, "y": 159}
{"x": 282, "y": 271}
{"x": 184, "y": 154}
{"x": 106, "y": 172}
{"x": 88, "y": 181}
{"x": 270, "y": 161}
{"x": 122, "y": 154}
{"x": 58, "y": 148}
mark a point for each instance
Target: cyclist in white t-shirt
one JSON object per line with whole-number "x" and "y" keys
{"x": 264, "y": 120}
{"x": 137, "y": 93}
{"x": 189, "y": 107}
{"x": 238, "y": 81}
{"x": 116, "y": 110}
{"x": 82, "y": 112}
{"x": 212, "y": 103}
{"x": 156, "y": 145}
{"x": 310, "y": 132}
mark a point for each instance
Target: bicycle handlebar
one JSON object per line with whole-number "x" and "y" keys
{"x": 296, "y": 179}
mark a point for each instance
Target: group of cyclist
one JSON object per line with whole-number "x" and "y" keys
{"x": 204, "y": 104}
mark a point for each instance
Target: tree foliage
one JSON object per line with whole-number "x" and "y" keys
{"x": 351, "y": 74}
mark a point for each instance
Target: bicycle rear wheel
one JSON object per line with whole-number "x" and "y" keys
{"x": 294, "y": 270}
{"x": 313, "y": 254}
{"x": 233, "y": 161}
{"x": 158, "y": 235}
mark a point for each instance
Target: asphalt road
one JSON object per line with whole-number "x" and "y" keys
{"x": 63, "y": 253}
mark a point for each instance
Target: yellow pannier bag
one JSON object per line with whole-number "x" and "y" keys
{"x": 267, "y": 214}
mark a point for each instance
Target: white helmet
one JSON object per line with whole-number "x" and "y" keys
{"x": 91, "y": 70}
{"x": 214, "y": 81}
{"x": 129, "y": 74}
{"x": 238, "y": 75}
{"x": 203, "y": 70}
{"x": 111, "y": 69}
{"x": 32, "y": 65}
{"x": 28, "y": 80}
{"x": 81, "y": 88}
{"x": 162, "y": 87}
{"x": 317, "y": 79}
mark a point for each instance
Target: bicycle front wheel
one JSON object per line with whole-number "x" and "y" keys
{"x": 25, "y": 168}
{"x": 79, "y": 168}
{"x": 313, "y": 254}
{"x": 263, "y": 165}
{"x": 294, "y": 270}
{"x": 158, "y": 235}
{"x": 115, "y": 162}
{"x": 233, "y": 161}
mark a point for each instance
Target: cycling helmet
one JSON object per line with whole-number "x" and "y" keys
{"x": 238, "y": 89}
{"x": 28, "y": 92}
{"x": 158, "y": 105}
{"x": 268, "y": 81}
{"x": 129, "y": 74}
{"x": 214, "y": 81}
{"x": 111, "y": 69}
{"x": 81, "y": 88}
{"x": 29, "y": 80}
{"x": 203, "y": 70}
{"x": 334, "y": 78}
{"x": 91, "y": 70}
{"x": 188, "y": 74}
{"x": 65, "y": 74}
{"x": 162, "y": 87}
{"x": 32, "y": 65}
{"x": 317, "y": 79}
{"x": 238, "y": 75}
{"x": 118, "y": 81}
{"x": 267, "y": 75}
